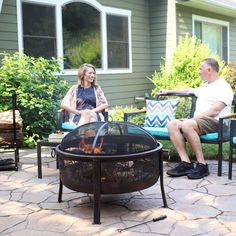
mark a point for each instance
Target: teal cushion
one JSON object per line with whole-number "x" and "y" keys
{"x": 157, "y": 131}
{"x": 159, "y": 113}
{"x": 209, "y": 136}
{"x": 69, "y": 126}
{"x": 134, "y": 130}
{"x": 234, "y": 140}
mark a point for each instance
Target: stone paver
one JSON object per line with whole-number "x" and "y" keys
{"x": 28, "y": 205}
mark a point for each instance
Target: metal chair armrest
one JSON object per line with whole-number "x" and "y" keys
{"x": 224, "y": 126}
{"x": 60, "y": 118}
{"x": 127, "y": 115}
{"x": 233, "y": 128}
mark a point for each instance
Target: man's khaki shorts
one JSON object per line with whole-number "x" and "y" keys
{"x": 207, "y": 125}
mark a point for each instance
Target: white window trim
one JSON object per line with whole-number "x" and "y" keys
{"x": 213, "y": 21}
{"x": 1, "y": 1}
{"x": 103, "y": 10}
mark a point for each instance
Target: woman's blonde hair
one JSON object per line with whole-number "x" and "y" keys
{"x": 82, "y": 70}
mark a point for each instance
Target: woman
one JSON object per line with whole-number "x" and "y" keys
{"x": 86, "y": 100}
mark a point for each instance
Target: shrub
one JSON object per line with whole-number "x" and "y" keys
{"x": 231, "y": 75}
{"x": 38, "y": 89}
{"x": 118, "y": 114}
{"x": 184, "y": 71}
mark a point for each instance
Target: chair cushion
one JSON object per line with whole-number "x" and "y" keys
{"x": 69, "y": 126}
{"x": 158, "y": 131}
{"x": 133, "y": 130}
{"x": 209, "y": 136}
{"x": 158, "y": 113}
{"x": 234, "y": 140}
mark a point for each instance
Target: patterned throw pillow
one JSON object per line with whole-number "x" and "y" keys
{"x": 158, "y": 113}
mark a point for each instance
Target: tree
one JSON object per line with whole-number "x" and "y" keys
{"x": 184, "y": 70}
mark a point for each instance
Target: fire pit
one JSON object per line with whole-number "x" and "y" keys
{"x": 109, "y": 158}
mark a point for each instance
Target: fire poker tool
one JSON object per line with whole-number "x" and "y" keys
{"x": 153, "y": 220}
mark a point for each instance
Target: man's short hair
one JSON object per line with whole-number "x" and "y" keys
{"x": 212, "y": 63}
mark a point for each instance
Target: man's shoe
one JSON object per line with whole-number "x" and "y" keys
{"x": 181, "y": 169}
{"x": 199, "y": 171}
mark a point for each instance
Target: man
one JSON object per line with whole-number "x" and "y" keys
{"x": 214, "y": 99}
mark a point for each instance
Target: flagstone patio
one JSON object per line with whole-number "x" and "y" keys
{"x": 28, "y": 205}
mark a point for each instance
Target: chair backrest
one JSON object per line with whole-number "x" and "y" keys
{"x": 234, "y": 103}
{"x": 187, "y": 104}
{"x": 193, "y": 101}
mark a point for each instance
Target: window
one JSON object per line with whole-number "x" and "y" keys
{"x": 39, "y": 33}
{"x": 117, "y": 41}
{"x": 81, "y": 35}
{"x": 214, "y": 33}
{"x": 63, "y": 29}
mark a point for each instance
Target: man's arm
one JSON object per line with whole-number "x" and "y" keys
{"x": 213, "y": 111}
{"x": 180, "y": 91}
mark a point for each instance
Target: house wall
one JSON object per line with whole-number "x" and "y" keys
{"x": 153, "y": 38}
{"x": 120, "y": 89}
{"x": 8, "y": 27}
{"x": 184, "y": 25}
{"x": 158, "y": 25}
{"x": 162, "y": 31}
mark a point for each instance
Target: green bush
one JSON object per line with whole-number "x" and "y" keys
{"x": 184, "y": 70}
{"x": 118, "y": 114}
{"x": 39, "y": 90}
{"x": 231, "y": 75}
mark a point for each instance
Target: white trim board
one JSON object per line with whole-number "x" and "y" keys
{"x": 1, "y": 1}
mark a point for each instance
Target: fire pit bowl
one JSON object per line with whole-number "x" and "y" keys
{"x": 109, "y": 158}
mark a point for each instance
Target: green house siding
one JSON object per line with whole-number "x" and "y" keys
{"x": 8, "y": 27}
{"x": 158, "y": 25}
{"x": 232, "y": 34}
{"x": 155, "y": 27}
{"x": 184, "y": 25}
{"x": 121, "y": 89}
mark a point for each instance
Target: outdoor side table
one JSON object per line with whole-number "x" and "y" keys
{"x": 40, "y": 144}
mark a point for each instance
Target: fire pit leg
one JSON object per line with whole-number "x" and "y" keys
{"x": 60, "y": 191}
{"x": 96, "y": 190}
{"x": 162, "y": 179}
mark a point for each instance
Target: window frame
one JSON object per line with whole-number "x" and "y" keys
{"x": 222, "y": 23}
{"x": 104, "y": 10}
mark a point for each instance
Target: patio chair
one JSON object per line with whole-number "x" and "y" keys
{"x": 64, "y": 125}
{"x": 161, "y": 133}
{"x": 232, "y": 145}
{"x": 11, "y": 135}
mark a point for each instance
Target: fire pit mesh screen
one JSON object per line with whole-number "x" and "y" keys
{"x": 109, "y": 158}
{"x": 116, "y": 176}
{"x": 108, "y": 138}
{"x": 128, "y": 157}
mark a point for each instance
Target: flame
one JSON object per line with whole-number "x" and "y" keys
{"x": 87, "y": 148}
{"x": 98, "y": 150}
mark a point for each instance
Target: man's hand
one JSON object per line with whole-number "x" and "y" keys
{"x": 164, "y": 91}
